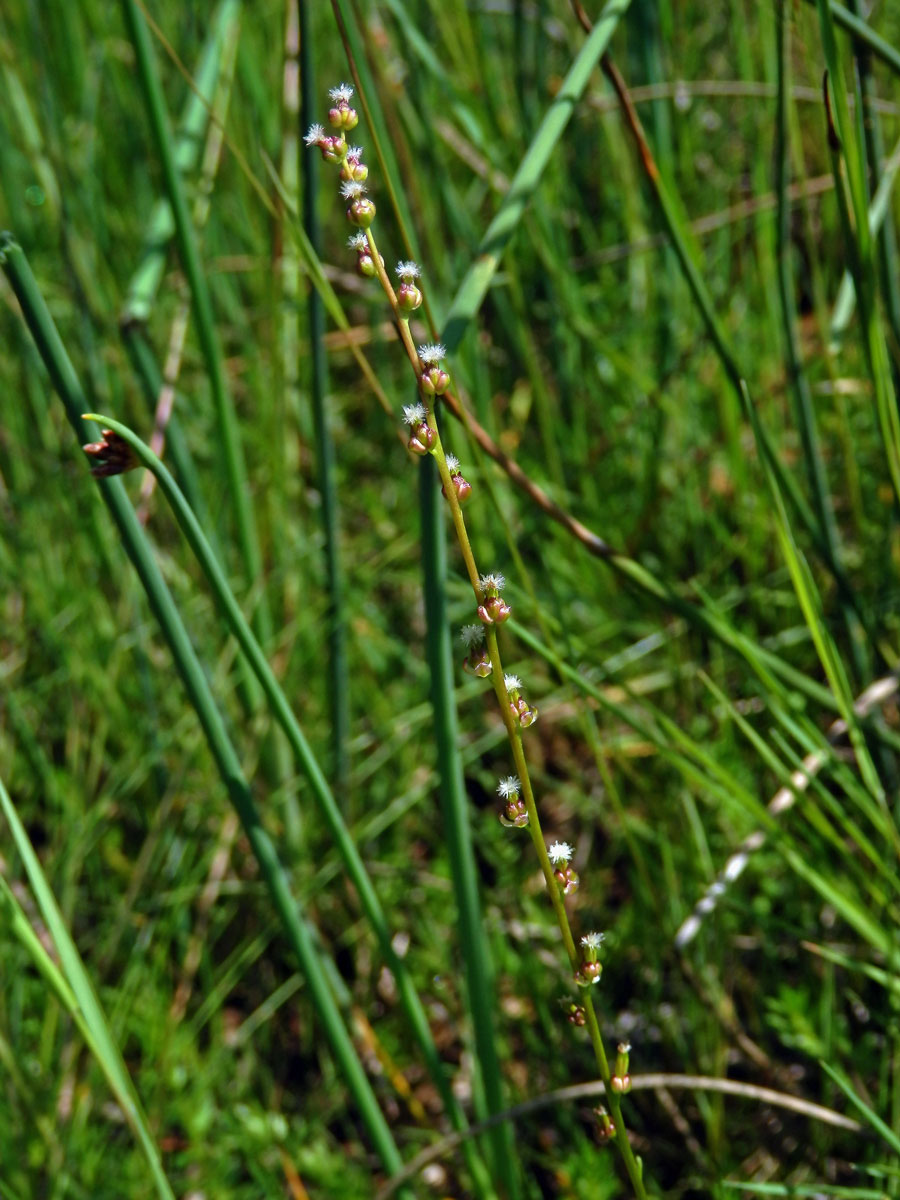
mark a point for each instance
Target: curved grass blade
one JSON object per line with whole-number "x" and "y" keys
{"x": 73, "y": 987}
{"x": 283, "y": 714}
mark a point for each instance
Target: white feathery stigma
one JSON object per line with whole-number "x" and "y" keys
{"x": 493, "y": 582}
{"x": 432, "y": 354}
{"x": 314, "y": 135}
{"x": 593, "y": 941}
{"x": 341, "y": 94}
{"x": 358, "y": 241}
{"x": 509, "y": 787}
{"x": 560, "y": 852}
{"x": 471, "y": 635}
{"x": 407, "y": 271}
{"x": 414, "y": 414}
{"x": 351, "y": 190}
{"x": 512, "y": 683}
{"x": 452, "y": 463}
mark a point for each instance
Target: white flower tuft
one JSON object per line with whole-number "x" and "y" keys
{"x": 494, "y": 581}
{"x": 471, "y": 635}
{"x": 355, "y": 152}
{"x": 341, "y": 94}
{"x": 512, "y": 682}
{"x": 414, "y": 414}
{"x": 407, "y": 271}
{"x": 432, "y": 354}
{"x": 358, "y": 241}
{"x": 452, "y": 463}
{"x": 593, "y": 941}
{"x": 314, "y": 135}
{"x": 351, "y": 190}
{"x": 560, "y": 852}
{"x": 509, "y": 787}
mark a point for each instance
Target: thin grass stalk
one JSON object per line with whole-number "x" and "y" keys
{"x": 879, "y": 210}
{"x": 229, "y": 436}
{"x": 72, "y": 985}
{"x": 479, "y": 972}
{"x": 144, "y": 284}
{"x": 338, "y": 672}
{"x": 863, "y": 33}
{"x": 848, "y": 165}
{"x": 472, "y": 290}
{"x": 281, "y": 711}
{"x": 51, "y": 348}
{"x": 873, "y": 140}
{"x": 799, "y": 383}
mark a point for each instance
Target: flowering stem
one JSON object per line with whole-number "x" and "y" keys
{"x": 433, "y": 382}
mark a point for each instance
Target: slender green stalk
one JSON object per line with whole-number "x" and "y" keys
{"x": 72, "y": 985}
{"x": 472, "y": 290}
{"x": 863, "y": 33}
{"x": 235, "y": 469}
{"x": 338, "y": 674}
{"x": 886, "y": 239}
{"x": 160, "y": 229}
{"x": 62, "y": 373}
{"x": 305, "y": 759}
{"x": 800, "y": 389}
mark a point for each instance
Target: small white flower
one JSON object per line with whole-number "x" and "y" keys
{"x": 358, "y": 241}
{"x": 560, "y": 852}
{"x": 355, "y": 152}
{"x": 351, "y": 190}
{"x": 452, "y": 463}
{"x": 509, "y": 787}
{"x": 471, "y": 635}
{"x": 432, "y": 354}
{"x": 314, "y": 135}
{"x": 593, "y": 941}
{"x": 512, "y": 683}
{"x": 414, "y": 414}
{"x": 341, "y": 94}
{"x": 493, "y": 581}
{"x": 407, "y": 271}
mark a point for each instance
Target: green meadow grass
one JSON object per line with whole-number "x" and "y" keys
{"x": 261, "y": 931}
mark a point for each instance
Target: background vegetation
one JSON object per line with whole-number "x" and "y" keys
{"x": 747, "y": 595}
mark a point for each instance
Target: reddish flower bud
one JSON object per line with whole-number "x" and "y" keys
{"x": 434, "y": 381}
{"x": 361, "y": 212}
{"x": 409, "y": 297}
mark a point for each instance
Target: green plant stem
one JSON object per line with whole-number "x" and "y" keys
{"x": 338, "y": 672}
{"x": 235, "y": 469}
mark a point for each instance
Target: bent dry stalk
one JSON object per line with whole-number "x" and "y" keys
{"x": 480, "y": 639}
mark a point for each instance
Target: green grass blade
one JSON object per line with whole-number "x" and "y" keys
{"x": 73, "y": 986}
{"x": 338, "y": 673}
{"x": 229, "y": 436}
{"x": 144, "y": 284}
{"x": 472, "y": 290}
